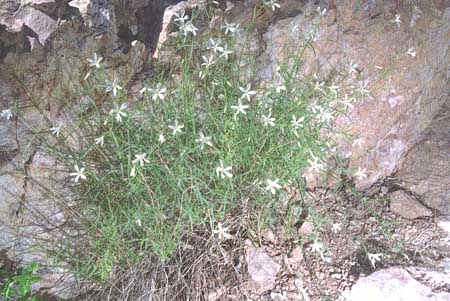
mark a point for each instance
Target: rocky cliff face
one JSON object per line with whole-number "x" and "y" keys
{"x": 398, "y": 128}
{"x": 43, "y": 51}
{"x": 404, "y": 66}
{"x": 401, "y": 127}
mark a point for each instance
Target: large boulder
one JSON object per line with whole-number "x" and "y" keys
{"x": 393, "y": 284}
{"x": 401, "y": 125}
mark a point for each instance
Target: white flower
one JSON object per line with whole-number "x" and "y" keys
{"x": 161, "y": 138}
{"x": 87, "y": 75}
{"x": 141, "y": 159}
{"x": 230, "y": 27}
{"x": 223, "y": 171}
{"x": 363, "y": 90}
{"x": 272, "y": 4}
{"x": 222, "y": 232}
{"x": 56, "y": 130}
{"x": 279, "y": 295}
{"x": 79, "y": 173}
{"x": 358, "y": 142}
{"x": 297, "y": 123}
{"x": 325, "y": 116}
{"x": 317, "y": 109}
{"x": 411, "y": 52}
{"x": 95, "y": 61}
{"x": 315, "y": 164}
{"x": 318, "y": 247}
{"x": 397, "y": 20}
{"x": 119, "y": 111}
{"x": 246, "y": 92}
{"x": 334, "y": 89}
{"x": 145, "y": 89}
{"x": 100, "y": 140}
{"x": 215, "y": 46}
{"x": 133, "y": 171}
{"x": 113, "y": 86}
{"x": 335, "y": 228}
{"x": 352, "y": 67}
{"x": 321, "y": 12}
{"x": 180, "y": 18}
{"x": 273, "y": 185}
{"x": 374, "y": 258}
{"x": 347, "y": 101}
{"x": 188, "y": 27}
{"x": 361, "y": 174}
{"x": 203, "y": 140}
{"x": 7, "y": 114}
{"x": 240, "y": 108}
{"x": 159, "y": 92}
{"x": 268, "y": 120}
{"x": 280, "y": 88}
{"x": 225, "y": 52}
{"x": 208, "y": 61}
{"x": 311, "y": 35}
{"x": 176, "y": 128}
{"x": 318, "y": 86}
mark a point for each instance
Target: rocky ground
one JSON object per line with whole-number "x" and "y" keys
{"x": 414, "y": 255}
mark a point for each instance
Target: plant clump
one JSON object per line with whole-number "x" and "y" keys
{"x": 201, "y": 155}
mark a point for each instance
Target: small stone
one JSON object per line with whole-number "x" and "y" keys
{"x": 216, "y": 294}
{"x": 306, "y": 229}
{"x": 295, "y": 296}
{"x": 407, "y": 206}
{"x": 384, "y": 190}
{"x": 298, "y": 282}
{"x": 336, "y": 276}
{"x": 312, "y": 180}
{"x": 297, "y": 255}
{"x": 278, "y": 296}
{"x": 269, "y": 236}
{"x": 262, "y": 268}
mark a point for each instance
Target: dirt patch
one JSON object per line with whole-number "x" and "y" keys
{"x": 363, "y": 225}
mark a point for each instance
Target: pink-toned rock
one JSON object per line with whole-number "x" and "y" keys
{"x": 409, "y": 95}
{"x": 393, "y": 284}
{"x": 408, "y": 206}
{"x": 262, "y": 268}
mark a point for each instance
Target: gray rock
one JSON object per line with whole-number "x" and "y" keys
{"x": 306, "y": 229}
{"x": 393, "y": 284}
{"x": 407, "y": 206}
{"x": 262, "y": 268}
{"x": 40, "y": 23}
{"x": 408, "y": 106}
{"x": 426, "y": 169}
{"x": 443, "y": 222}
{"x": 46, "y": 44}
{"x": 436, "y": 276}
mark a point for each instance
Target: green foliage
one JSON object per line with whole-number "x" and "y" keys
{"x": 17, "y": 287}
{"x": 203, "y": 145}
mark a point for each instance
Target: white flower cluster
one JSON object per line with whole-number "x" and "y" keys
{"x": 186, "y": 26}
